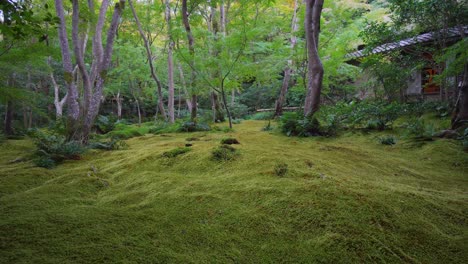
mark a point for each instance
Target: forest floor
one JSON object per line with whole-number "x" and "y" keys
{"x": 344, "y": 200}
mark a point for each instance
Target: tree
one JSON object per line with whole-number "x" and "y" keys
{"x": 81, "y": 116}
{"x": 315, "y": 67}
{"x": 188, "y": 30}
{"x": 170, "y": 63}
{"x": 289, "y": 69}
{"x": 150, "y": 61}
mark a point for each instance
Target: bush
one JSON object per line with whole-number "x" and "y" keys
{"x": 111, "y": 144}
{"x": 229, "y": 141}
{"x": 236, "y": 121}
{"x": 261, "y": 116}
{"x": 387, "y": 140}
{"x": 224, "y": 153}
{"x": 238, "y": 110}
{"x": 281, "y": 169}
{"x": 176, "y": 152}
{"x": 161, "y": 127}
{"x": 53, "y": 149}
{"x": 104, "y": 124}
{"x": 292, "y": 124}
{"x": 418, "y": 129}
{"x": 190, "y": 126}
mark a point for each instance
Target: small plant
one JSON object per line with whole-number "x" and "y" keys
{"x": 292, "y": 124}
{"x": 53, "y": 149}
{"x": 224, "y": 153}
{"x": 104, "y": 124}
{"x": 111, "y": 144}
{"x": 236, "y": 121}
{"x": 418, "y": 129}
{"x": 229, "y": 141}
{"x": 281, "y": 169}
{"x": 191, "y": 126}
{"x": 387, "y": 140}
{"x": 268, "y": 127}
{"x": 176, "y": 152}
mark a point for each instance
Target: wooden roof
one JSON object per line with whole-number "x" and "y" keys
{"x": 452, "y": 34}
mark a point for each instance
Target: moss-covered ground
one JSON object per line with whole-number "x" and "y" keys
{"x": 343, "y": 200}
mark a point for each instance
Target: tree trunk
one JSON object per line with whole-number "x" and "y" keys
{"x": 170, "y": 64}
{"x": 284, "y": 90}
{"x": 460, "y": 116}
{"x": 184, "y": 86}
{"x": 138, "y": 110}
{"x": 150, "y": 61}
{"x": 185, "y": 19}
{"x": 218, "y": 115}
{"x": 81, "y": 118}
{"x": 8, "y": 125}
{"x": 315, "y": 67}
{"x": 223, "y": 95}
{"x": 288, "y": 70}
{"x": 58, "y": 103}
{"x": 119, "y": 106}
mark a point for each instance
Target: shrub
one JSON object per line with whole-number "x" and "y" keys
{"x": 104, "y": 124}
{"x": 53, "y": 149}
{"x": 387, "y": 140}
{"x": 176, "y": 152}
{"x": 238, "y": 110}
{"x": 236, "y": 121}
{"x": 229, "y": 141}
{"x": 190, "y": 126}
{"x": 418, "y": 129}
{"x": 224, "y": 153}
{"x": 161, "y": 127}
{"x": 261, "y": 116}
{"x": 281, "y": 169}
{"x": 111, "y": 144}
{"x": 292, "y": 124}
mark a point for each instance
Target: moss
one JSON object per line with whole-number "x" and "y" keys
{"x": 345, "y": 199}
{"x": 176, "y": 152}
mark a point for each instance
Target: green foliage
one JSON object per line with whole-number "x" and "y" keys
{"x": 280, "y": 169}
{"x": 224, "y": 153}
{"x": 54, "y": 148}
{"x": 294, "y": 124}
{"x": 161, "y": 127}
{"x": 238, "y": 110}
{"x": 2, "y": 137}
{"x": 387, "y": 140}
{"x": 110, "y": 144}
{"x": 176, "y": 152}
{"x": 229, "y": 141}
{"x": 236, "y": 121}
{"x": 105, "y": 124}
{"x": 190, "y": 126}
{"x": 419, "y": 129}
{"x": 260, "y": 116}
{"x": 124, "y": 131}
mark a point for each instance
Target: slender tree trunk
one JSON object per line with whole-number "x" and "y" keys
{"x": 119, "y": 106}
{"x": 218, "y": 115}
{"x": 185, "y": 19}
{"x": 58, "y": 103}
{"x": 150, "y": 61}
{"x": 223, "y": 94}
{"x": 170, "y": 64}
{"x": 8, "y": 124}
{"x": 184, "y": 86}
{"x": 138, "y": 110}
{"x": 315, "y": 67}
{"x": 288, "y": 70}
{"x": 460, "y": 115}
